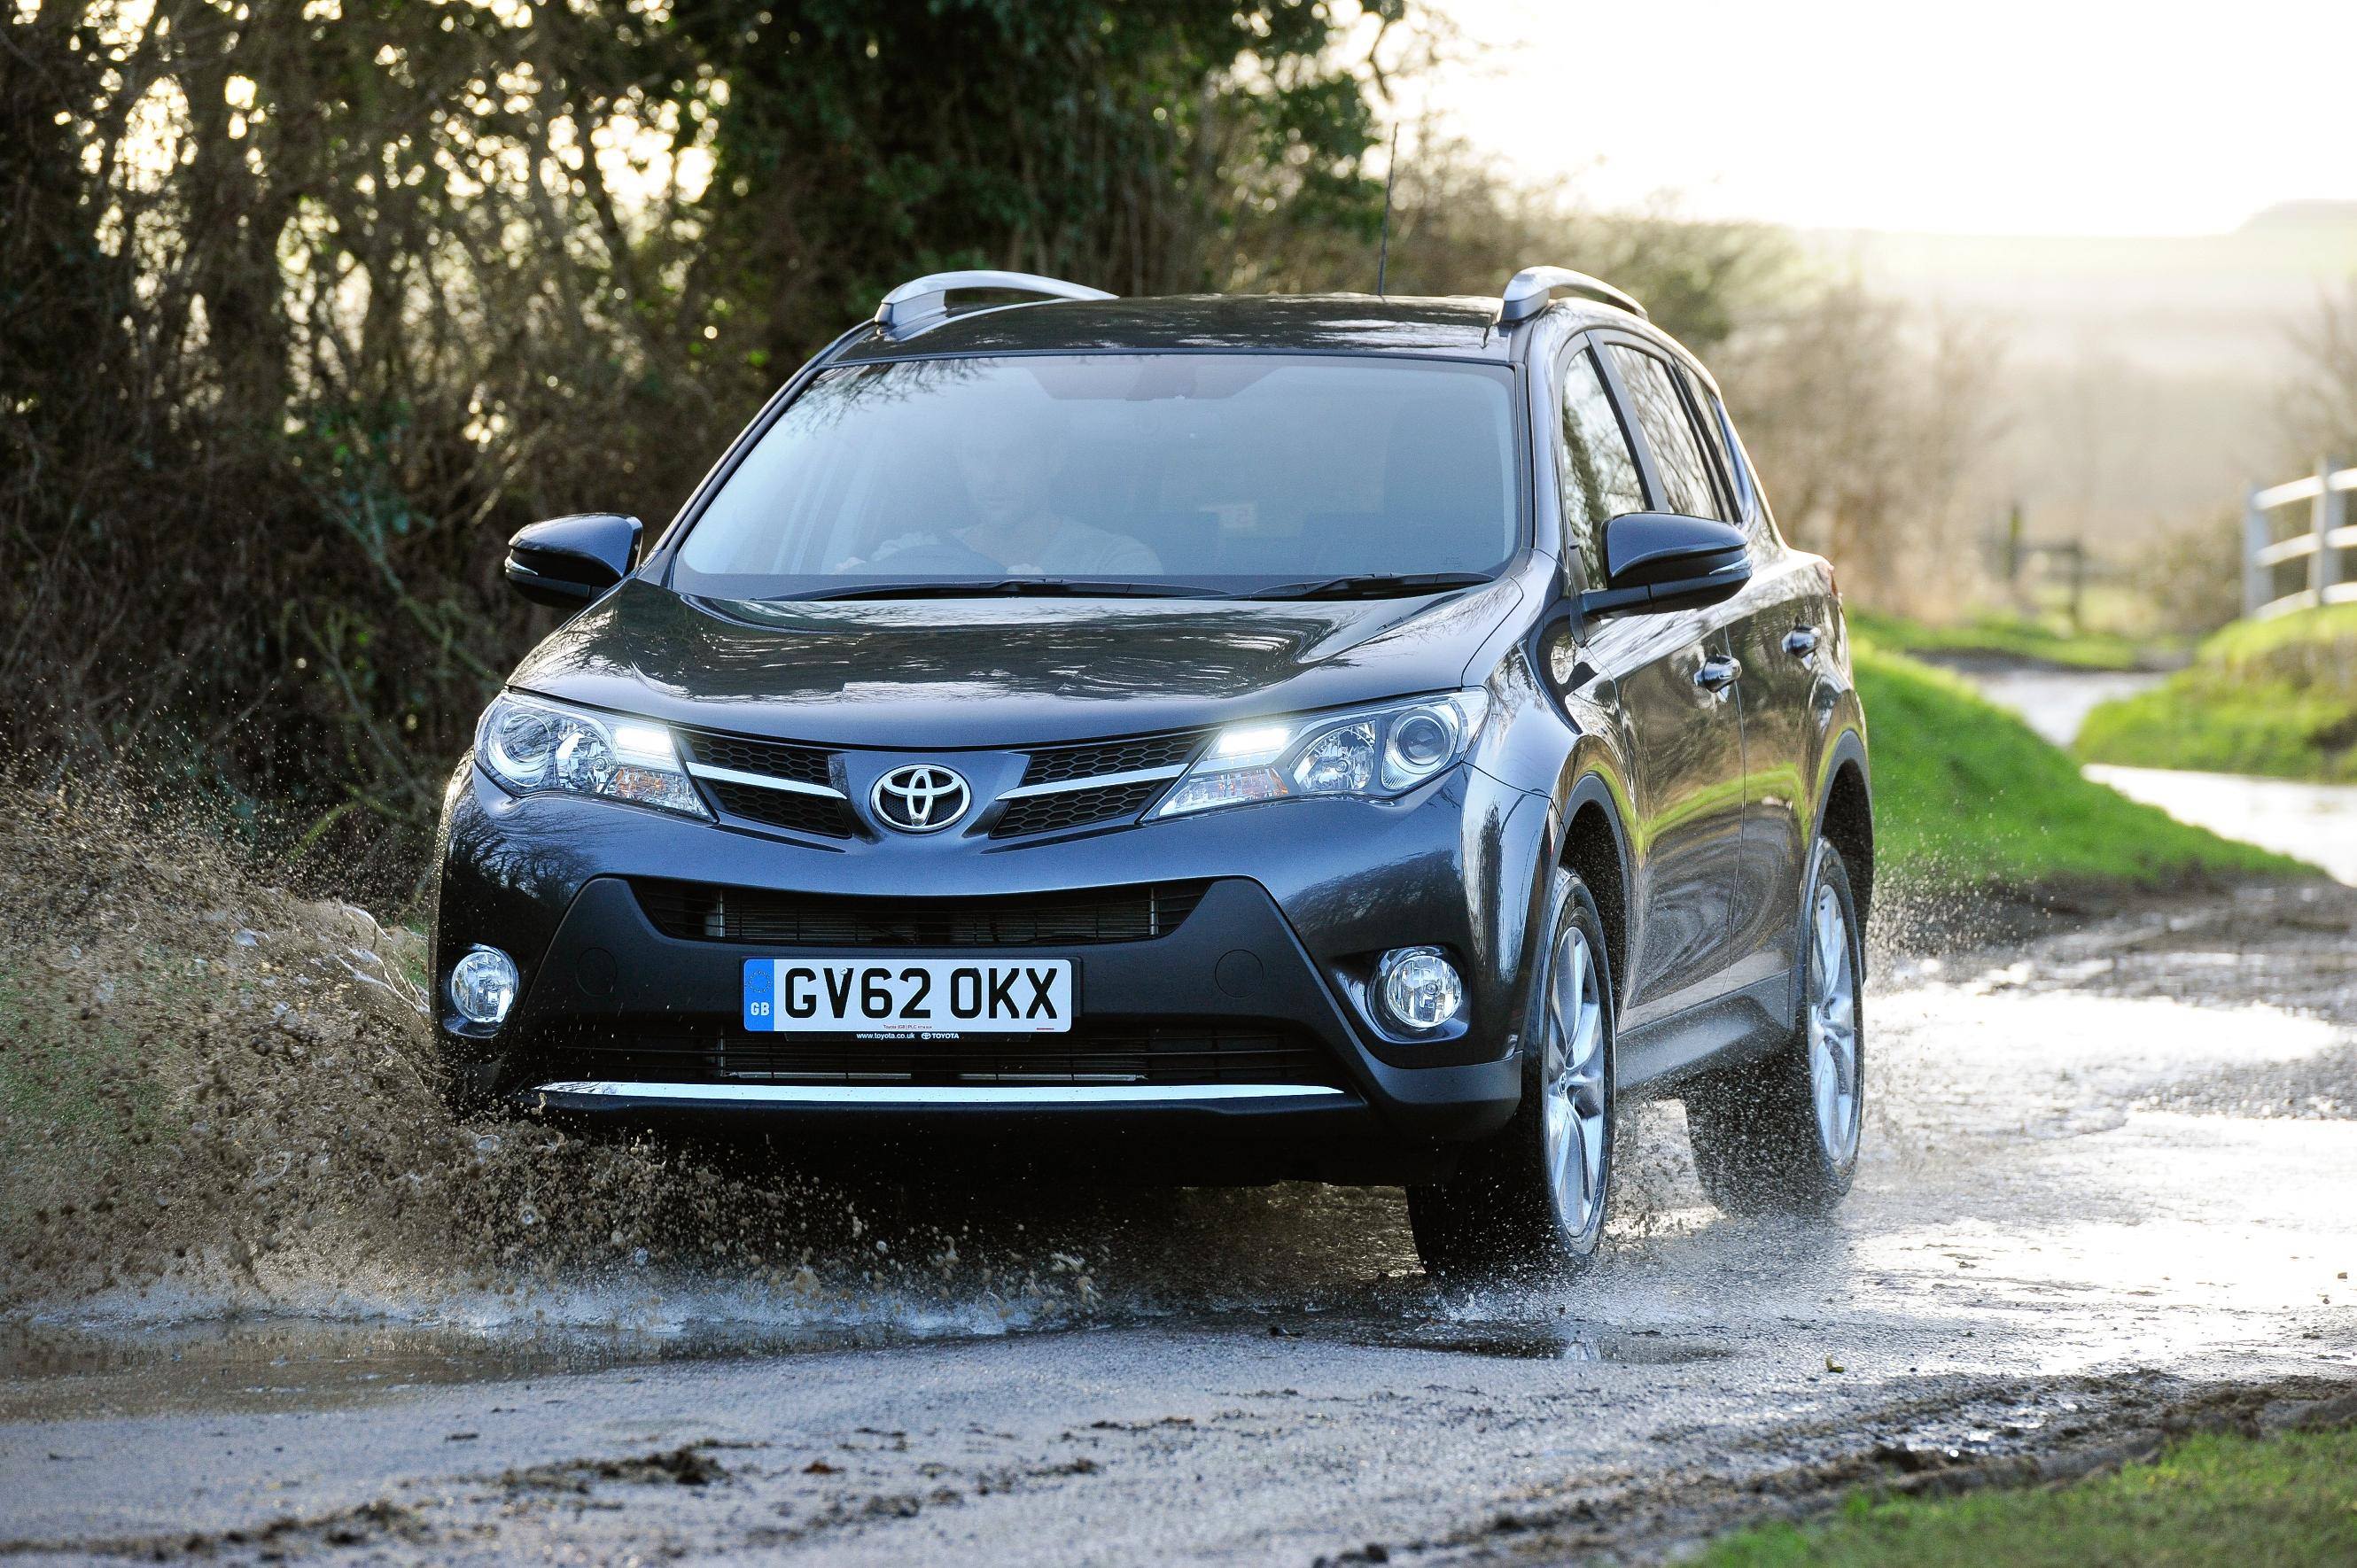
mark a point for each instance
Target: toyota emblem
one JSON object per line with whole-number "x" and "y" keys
{"x": 919, "y": 797}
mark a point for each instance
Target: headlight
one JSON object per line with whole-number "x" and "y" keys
{"x": 532, "y": 746}
{"x": 1373, "y": 754}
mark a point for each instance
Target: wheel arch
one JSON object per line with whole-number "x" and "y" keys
{"x": 1595, "y": 844}
{"x": 1846, "y": 816}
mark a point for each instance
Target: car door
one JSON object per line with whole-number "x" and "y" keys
{"x": 1779, "y": 620}
{"x": 1673, "y": 686}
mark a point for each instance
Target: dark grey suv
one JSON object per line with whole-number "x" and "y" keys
{"x": 1191, "y": 740}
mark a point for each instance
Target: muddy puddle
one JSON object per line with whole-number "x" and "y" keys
{"x": 48, "y": 1371}
{"x": 51, "y": 1371}
{"x": 1539, "y": 1341}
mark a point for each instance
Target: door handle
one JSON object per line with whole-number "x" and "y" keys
{"x": 1718, "y": 675}
{"x": 1801, "y": 641}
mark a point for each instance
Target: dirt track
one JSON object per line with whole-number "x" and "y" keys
{"x": 2089, "y": 1209}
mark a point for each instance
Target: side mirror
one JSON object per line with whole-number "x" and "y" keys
{"x": 569, "y": 561}
{"x": 1660, "y": 561}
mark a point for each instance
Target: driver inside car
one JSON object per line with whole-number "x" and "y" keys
{"x": 1008, "y": 468}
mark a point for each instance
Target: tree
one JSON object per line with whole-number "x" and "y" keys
{"x": 2319, "y": 402}
{"x": 1114, "y": 144}
{"x": 1871, "y": 424}
{"x": 303, "y": 307}
{"x": 1460, "y": 227}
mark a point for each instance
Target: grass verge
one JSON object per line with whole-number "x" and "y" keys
{"x": 2287, "y": 1502}
{"x": 1966, "y": 795}
{"x": 2009, "y": 637}
{"x": 2276, "y": 697}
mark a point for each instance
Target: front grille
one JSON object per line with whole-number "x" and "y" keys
{"x": 748, "y": 754}
{"x": 698, "y": 910}
{"x": 1246, "y": 1051}
{"x": 827, "y": 816}
{"x": 1055, "y": 765}
{"x": 1074, "y": 808}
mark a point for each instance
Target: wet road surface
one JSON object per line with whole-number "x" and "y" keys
{"x": 2316, "y": 822}
{"x": 2085, "y": 1201}
{"x": 2054, "y": 702}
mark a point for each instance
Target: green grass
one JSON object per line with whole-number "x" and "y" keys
{"x": 2276, "y": 697}
{"x": 2010, "y": 636}
{"x": 1965, "y": 794}
{"x": 2284, "y": 1502}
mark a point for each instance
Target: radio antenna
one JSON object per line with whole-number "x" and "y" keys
{"x": 1390, "y": 171}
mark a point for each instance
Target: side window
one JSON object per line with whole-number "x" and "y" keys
{"x": 1714, "y": 437}
{"x": 1757, "y": 519}
{"x": 1669, "y": 434}
{"x": 1594, "y": 468}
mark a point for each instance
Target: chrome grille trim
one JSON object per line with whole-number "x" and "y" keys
{"x": 1095, "y": 782}
{"x": 762, "y": 780}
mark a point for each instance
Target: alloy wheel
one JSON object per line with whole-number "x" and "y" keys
{"x": 1833, "y": 1024}
{"x": 1574, "y": 1112}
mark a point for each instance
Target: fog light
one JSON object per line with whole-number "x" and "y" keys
{"x": 483, "y": 985}
{"x": 1419, "y": 989}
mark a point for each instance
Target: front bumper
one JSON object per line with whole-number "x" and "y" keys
{"x": 625, "y": 1023}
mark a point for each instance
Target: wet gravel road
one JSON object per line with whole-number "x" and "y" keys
{"x": 2089, "y": 1208}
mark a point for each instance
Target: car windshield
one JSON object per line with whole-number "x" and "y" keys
{"x": 1153, "y": 473}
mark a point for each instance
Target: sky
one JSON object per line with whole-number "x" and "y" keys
{"x": 1971, "y": 116}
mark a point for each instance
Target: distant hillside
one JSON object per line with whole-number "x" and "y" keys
{"x": 2143, "y": 372}
{"x": 2332, "y": 214}
{"x": 2210, "y": 302}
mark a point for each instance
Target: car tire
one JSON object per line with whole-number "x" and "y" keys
{"x": 1530, "y": 1198}
{"x": 1779, "y": 1134}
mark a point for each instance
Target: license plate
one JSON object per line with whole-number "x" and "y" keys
{"x": 912, "y": 996}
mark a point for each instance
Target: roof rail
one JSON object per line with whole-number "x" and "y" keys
{"x": 1527, "y": 293}
{"x": 920, "y": 302}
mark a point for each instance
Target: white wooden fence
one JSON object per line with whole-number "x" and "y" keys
{"x": 2318, "y": 545}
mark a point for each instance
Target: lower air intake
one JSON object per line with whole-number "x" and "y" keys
{"x": 710, "y": 912}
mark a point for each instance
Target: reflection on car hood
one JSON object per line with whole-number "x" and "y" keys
{"x": 999, "y": 672}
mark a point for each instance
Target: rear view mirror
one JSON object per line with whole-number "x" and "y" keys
{"x": 1661, "y": 561}
{"x": 569, "y": 561}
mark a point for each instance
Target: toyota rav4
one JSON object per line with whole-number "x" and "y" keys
{"x": 1210, "y": 739}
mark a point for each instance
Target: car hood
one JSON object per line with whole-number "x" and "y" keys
{"x": 999, "y": 672}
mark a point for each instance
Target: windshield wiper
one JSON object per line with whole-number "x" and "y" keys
{"x": 1019, "y": 587}
{"x": 1371, "y": 586}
